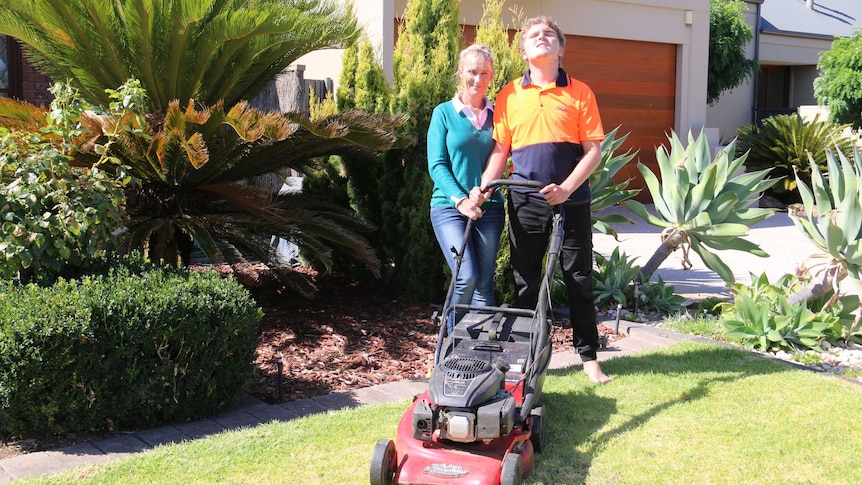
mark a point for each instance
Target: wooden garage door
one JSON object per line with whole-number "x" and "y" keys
{"x": 635, "y": 86}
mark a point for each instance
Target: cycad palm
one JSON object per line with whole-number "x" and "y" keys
{"x": 194, "y": 141}
{"x": 207, "y": 50}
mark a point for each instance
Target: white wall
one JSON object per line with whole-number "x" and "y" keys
{"x": 734, "y": 108}
{"x": 645, "y": 20}
{"x": 377, "y": 18}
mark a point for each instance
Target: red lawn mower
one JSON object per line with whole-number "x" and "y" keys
{"x": 480, "y": 421}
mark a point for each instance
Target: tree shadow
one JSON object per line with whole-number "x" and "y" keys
{"x": 571, "y": 451}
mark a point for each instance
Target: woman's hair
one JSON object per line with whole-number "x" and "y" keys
{"x": 544, "y": 19}
{"x": 475, "y": 50}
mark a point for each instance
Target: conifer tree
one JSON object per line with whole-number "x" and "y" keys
{"x": 394, "y": 193}
{"x": 425, "y": 53}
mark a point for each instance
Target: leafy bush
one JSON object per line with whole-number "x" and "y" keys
{"x": 839, "y": 85}
{"x": 139, "y": 346}
{"x": 783, "y": 143}
{"x": 53, "y": 216}
{"x": 761, "y": 318}
{"x": 660, "y": 298}
{"x": 612, "y": 280}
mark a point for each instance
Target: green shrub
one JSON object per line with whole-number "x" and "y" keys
{"x": 134, "y": 348}
{"x": 761, "y": 318}
{"x": 783, "y": 143}
{"x": 660, "y": 298}
{"x": 53, "y": 216}
{"x": 612, "y": 280}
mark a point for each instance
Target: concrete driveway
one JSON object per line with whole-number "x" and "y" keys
{"x": 778, "y": 236}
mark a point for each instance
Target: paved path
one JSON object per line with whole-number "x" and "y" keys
{"x": 778, "y": 236}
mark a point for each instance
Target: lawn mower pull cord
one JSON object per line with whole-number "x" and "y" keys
{"x": 480, "y": 421}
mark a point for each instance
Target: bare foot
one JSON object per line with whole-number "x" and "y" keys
{"x": 594, "y": 372}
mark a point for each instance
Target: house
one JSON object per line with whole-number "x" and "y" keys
{"x": 789, "y": 36}
{"x": 646, "y": 60}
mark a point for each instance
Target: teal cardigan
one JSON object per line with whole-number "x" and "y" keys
{"x": 457, "y": 155}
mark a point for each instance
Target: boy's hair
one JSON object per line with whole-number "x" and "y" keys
{"x": 543, "y": 19}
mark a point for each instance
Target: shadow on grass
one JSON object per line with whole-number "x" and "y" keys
{"x": 579, "y": 417}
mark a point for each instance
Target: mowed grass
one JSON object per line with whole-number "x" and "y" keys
{"x": 692, "y": 413}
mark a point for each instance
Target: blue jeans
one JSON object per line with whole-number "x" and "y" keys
{"x": 475, "y": 282}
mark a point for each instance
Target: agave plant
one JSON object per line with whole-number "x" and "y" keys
{"x": 606, "y": 192}
{"x": 191, "y": 140}
{"x": 833, "y": 222}
{"x": 701, "y": 203}
{"x": 783, "y": 142}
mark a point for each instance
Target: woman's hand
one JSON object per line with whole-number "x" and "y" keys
{"x": 479, "y": 196}
{"x": 468, "y": 208}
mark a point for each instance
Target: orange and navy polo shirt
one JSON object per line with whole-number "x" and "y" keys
{"x": 545, "y": 126}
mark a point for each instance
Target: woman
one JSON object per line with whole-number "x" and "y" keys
{"x": 459, "y": 142}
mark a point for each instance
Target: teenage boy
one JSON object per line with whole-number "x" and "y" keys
{"x": 550, "y": 123}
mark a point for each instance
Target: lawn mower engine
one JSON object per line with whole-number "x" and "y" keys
{"x": 470, "y": 402}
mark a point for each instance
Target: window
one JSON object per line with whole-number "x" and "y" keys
{"x": 10, "y": 68}
{"x": 774, "y": 88}
{"x": 773, "y": 91}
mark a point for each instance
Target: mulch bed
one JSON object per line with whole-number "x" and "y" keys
{"x": 350, "y": 336}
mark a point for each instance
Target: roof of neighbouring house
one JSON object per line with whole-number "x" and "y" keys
{"x": 824, "y": 18}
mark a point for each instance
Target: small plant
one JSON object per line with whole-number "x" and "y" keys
{"x": 704, "y": 326}
{"x": 612, "y": 281}
{"x": 761, "y": 318}
{"x": 660, "y": 298}
{"x": 711, "y": 306}
{"x": 809, "y": 358}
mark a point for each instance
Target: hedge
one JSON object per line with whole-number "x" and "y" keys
{"x": 135, "y": 347}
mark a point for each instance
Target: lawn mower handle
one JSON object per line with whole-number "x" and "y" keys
{"x": 535, "y": 184}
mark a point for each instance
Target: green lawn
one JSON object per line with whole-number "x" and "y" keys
{"x": 693, "y": 413}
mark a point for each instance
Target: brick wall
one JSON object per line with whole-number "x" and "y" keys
{"x": 34, "y": 85}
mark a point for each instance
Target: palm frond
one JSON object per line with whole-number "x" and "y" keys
{"x": 207, "y": 50}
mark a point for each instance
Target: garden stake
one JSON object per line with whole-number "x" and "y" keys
{"x": 279, "y": 364}
{"x": 617, "y": 327}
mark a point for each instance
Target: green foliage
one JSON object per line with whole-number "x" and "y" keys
{"x": 703, "y": 325}
{"x": 607, "y": 193}
{"x": 728, "y": 35}
{"x": 839, "y": 85}
{"x": 363, "y": 84}
{"x": 833, "y": 205}
{"x": 701, "y": 202}
{"x": 138, "y": 346}
{"x": 784, "y": 143}
{"x": 191, "y": 140}
{"x": 761, "y": 318}
{"x": 207, "y": 50}
{"x": 54, "y": 215}
{"x": 659, "y": 298}
{"x": 612, "y": 280}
